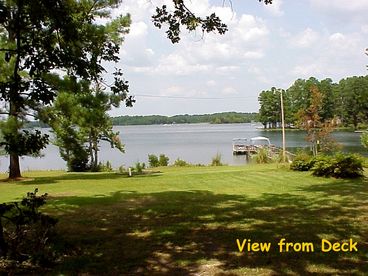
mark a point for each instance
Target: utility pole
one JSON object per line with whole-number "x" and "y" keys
{"x": 283, "y": 129}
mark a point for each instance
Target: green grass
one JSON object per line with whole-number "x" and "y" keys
{"x": 183, "y": 221}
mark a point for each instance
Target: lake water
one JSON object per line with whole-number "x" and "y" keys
{"x": 195, "y": 143}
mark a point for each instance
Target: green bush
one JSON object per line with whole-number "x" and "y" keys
{"x": 340, "y": 166}
{"x": 216, "y": 160}
{"x": 27, "y": 235}
{"x": 364, "y": 139}
{"x": 323, "y": 165}
{"x": 348, "y": 166}
{"x": 139, "y": 167}
{"x": 122, "y": 169}
{"x": 302, "y": 162}
{"x": 163, "y": 160}
{"x": 262, "y": 156}
{"x": 104, "y": 167}
{"x": 181, "y": 163}
{"x": 153, "y": 161}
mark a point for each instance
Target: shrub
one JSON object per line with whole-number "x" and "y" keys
{"x": 262, "y": 156}
{"x": 102, "y": 167}
{"x": 348, "y": 166}
{"x": 153, "y": 160}
{"x": 323, "y": 165}
{"x": 279, "y": 158}
{"x": 339, "y": 166}
{"x": 216, "y": 160}
{"x": 181, "y": 163}
{"x": 163, "y": 160}
{"x": 364, "y": 139}
{"x": 25, "y": 233}
{"x": 78, "y": 163}
{"x": 122, "y": 169}
{"x": 302, "y": 162}
{"x": 139, "y": 167}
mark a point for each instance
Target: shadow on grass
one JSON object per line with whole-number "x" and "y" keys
{"x": 83, "y": 176}
{"x": 195, "y": 232}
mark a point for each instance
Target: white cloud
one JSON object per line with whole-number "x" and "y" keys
{"x": 179, "y": 91}
{"x": 364, "y": 29}
{"x": 229, "y": 91}
{"x": 341, "y": 5}
{"x": 275, "y": 8}
{"x": 173, "y": 90}
{"x": 211, "y": 83}
{"x": 343, "y": 11}
{"x": 307, "y": 70}
{"x": 137, "y": 29}
{"x": 226, "y": 69}
{"x": 253, "y": 54}
{"x": 333, "y": 56}
{"x": 175, "y": 64}
{"x": 305, "y": 39}
{"x": 250, "y": 29}
{"x": 245, "y": 40}
{"x": 138, "y": 9}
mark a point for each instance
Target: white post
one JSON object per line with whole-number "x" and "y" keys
{"x": 283, "y": 129}
{"x": 130, "y": 171}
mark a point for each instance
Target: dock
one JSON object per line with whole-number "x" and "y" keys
{"x": 241, "y": 146}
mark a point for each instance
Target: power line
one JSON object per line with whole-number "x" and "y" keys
{"x": 192, "y": 98}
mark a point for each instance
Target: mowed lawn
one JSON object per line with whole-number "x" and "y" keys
{"x": 185, "y": 221}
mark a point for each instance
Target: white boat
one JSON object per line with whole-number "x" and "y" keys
{"x": 240, "y": 145}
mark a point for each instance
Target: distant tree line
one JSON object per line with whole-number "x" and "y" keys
{"x": 346, "y": 102}
{"x": 217, "y": 118}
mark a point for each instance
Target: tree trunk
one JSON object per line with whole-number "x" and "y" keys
{"x": 14, "y": 36}
{"x": 3, "y": 245}
{"x": 95, "y": 148}
{"x": 14, "y": 168}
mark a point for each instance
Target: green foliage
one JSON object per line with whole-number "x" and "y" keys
{"x": 364, "y": 139}
{"x": 122, "y": 169}
{"x": 77, "y": 160}
{"x": 105, "y": 167}
{"x": 216, "y": 160}
{"x": 139, "y": 167}
{"x": 37, "y": 37}
{"x": 25, "y": 232}
{"x": 340, "y": 166}
{"x": 279, "y": 158}
{"x": 21, "y": 142}
{"x": 262, "y": 156}
{"x": 163, "y": 160}
{"x": 183, "y": 17}
{"x": 302, "y": 162}
{"x": 337, "y": 100}
{"x": 181, "y": 163}
{"x": 216, "y": 118}
{"x": 80, "y": 121}
{"x": 270, "y": 109}
{"x": 153, "y": 161}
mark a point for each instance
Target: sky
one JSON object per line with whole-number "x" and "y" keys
{"x": 265, "y": 46}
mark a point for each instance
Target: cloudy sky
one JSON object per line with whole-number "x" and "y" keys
{"x": 265, "y": 46}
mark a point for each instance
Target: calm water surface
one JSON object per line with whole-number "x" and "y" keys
{"x": 195, "y": 143}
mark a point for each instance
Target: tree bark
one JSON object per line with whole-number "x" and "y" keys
{"x": 3, "y": 245}
{"x": 14, "y": 36}
{"x": 14, "y": 168}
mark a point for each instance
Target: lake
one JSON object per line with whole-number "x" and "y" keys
{"x": 195, "y": 143}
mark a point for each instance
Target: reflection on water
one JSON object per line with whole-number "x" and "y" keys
{"x": 195, "y": 143}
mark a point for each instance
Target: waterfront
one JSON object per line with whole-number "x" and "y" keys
{"x": 195, "y": 143}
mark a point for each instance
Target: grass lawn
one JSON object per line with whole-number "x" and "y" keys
{"x": 185, "y": 221}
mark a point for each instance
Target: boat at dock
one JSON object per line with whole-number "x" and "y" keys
{"x": 243, "y": 146}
